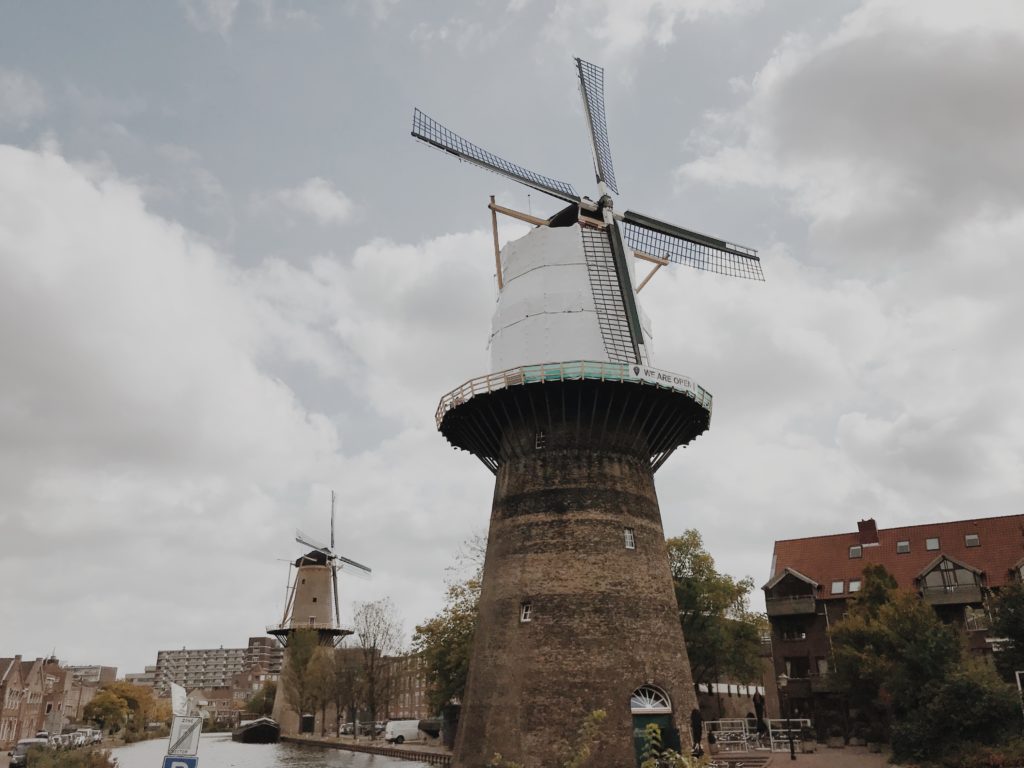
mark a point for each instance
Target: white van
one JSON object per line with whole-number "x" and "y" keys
{"x": 400, "y": 731}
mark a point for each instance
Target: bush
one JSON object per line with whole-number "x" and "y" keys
{"x": 971, "y": 708}
{"x": 76, "y": 758}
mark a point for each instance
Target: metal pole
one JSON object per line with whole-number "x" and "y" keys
{"x": 1020, "y": 691}
{"x": 789, "y": 727}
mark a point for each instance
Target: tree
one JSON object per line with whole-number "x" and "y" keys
{"x": 380, "y": 635}
{"x": 347, "y": 672}
{"x": 320, "y": 683}
{"x": 1008, "y": 624}
{"x": 723, "y": 636}
{"x": 141, "y": 704}
{"x": 295, "y": 682}
{"x": 446, "y": 641}
{"x": 262, "y": 702}
{"x": 108, "y": 710}
{"x": 900, "y": 665}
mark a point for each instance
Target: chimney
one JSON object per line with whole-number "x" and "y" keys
{"x": 868, "y": 531}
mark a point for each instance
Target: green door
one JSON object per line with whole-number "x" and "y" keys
{"x": 669, "y": 733}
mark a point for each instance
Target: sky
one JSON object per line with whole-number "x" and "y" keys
{"x": 230, "y": 282}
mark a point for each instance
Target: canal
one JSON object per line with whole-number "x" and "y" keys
{"x": 217, "y": 750}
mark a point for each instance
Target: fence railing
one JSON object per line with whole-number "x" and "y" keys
{"x": 579, "y": 370}
{"x": 741, "y": 734}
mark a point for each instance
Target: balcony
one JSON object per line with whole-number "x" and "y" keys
{"x": 951, "y": 595}
{"x": 790, "y": 606}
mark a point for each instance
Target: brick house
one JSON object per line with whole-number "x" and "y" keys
{"x": 11, "y": 693}
{"x": 953, "y": 566}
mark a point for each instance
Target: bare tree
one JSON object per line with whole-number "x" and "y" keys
{"x": 380, "y": 635}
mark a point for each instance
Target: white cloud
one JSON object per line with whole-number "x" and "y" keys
{"x": 211, "y": 15}
{"x": 22, "y": 98}
{"x": 620, "y": 28}
{"x": 318, "y": 199}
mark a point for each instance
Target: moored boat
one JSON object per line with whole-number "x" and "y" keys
{"x": 263, "y": 730}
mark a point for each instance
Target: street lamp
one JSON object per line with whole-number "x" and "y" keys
{"x": 783, "y": 681}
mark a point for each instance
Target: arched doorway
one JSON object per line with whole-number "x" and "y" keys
{"x": 650, "y": 704}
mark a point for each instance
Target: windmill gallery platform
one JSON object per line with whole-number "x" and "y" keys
{"x": 577, "y": 609}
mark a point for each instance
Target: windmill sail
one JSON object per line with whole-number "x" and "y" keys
{"x": 432, "y": 132}
{"x": 683, "y": 246}
{"x": 592, "y": 91}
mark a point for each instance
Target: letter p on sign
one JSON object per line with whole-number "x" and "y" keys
{"x": 173, "y": 761}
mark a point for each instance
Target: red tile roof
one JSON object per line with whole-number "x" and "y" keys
{"x": 827, "y": 558}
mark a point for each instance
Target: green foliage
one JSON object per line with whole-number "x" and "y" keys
{"x": 262, "y": 702}
{"x": 446, "y": 641}
{"x": 970, "y": 706}
{"x": 901, "y": 666}
{"x": 1008, "y": 622}
{"x": 654, "y": 755}
{"x": 723, "y": 636}
{"x": 75, "y": 758}
{"x": 107, "y": 710}
{"x": 586, "y": 739}
{"x": 295, "y": 682}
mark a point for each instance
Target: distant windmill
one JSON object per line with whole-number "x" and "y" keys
{"x": 316, "y": 577}
{"x": 577, "y": 611}
{"x": 308, "y": 606}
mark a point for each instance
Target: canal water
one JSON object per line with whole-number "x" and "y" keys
{"x": 217, "y": 750}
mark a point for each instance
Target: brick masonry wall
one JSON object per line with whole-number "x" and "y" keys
{"x": 604, "y": 619}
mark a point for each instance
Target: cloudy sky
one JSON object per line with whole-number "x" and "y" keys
{"x": 230, "y": 282}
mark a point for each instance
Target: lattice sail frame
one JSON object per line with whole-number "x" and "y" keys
{"x": 426, "y": 129}
{"x": 592, "y": 90}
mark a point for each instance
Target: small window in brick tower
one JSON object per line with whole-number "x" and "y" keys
{"x": 525, "y": 609}
{"x": 629, "y": 537}
{"x": 540, "y": 442}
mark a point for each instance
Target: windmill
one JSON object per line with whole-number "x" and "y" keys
{"x": 647, "y": 237}
{"x": 577, "y": 611}
{"x": 304, "y": 607}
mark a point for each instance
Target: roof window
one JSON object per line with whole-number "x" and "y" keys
{"x": 838, "y": 587}
{"x": 931, "y": 544}
{"x": 902, "y": 547}
{"x": 972, "y": 540}
{"x": 856, "y": 551}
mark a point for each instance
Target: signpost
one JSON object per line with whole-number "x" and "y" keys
{"x": 184, "y": 742}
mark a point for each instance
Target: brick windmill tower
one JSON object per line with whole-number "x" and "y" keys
{"x": 577, "y": 609}
{"x": 311, "y": 603}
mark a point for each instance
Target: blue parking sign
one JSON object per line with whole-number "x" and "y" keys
{"x": 176, "y": 761}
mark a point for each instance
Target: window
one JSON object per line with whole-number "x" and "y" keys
{"x": 837, "y": 587}
{"x": 540, "y": 442}
{"x": 931, "y": 544}
{"x": 975, "y": 618}
{"x": 854, "y": 585}
{"x": 314, "y": 599}
{"x": 972, "y": 540}
{"x": 312, "y": 621}
{"x": 822, "y": 665}
{"x": 948, "y": 577}
{"x": 525, "y": 610}
{"x": 855, "y": 551}
{"x": 630, "y": 538}
{"x": 902, "y": 547}
{"x": 650, "y": 700}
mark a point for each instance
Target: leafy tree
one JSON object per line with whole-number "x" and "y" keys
{"x": 347, "y": 683}
{"x": 446, "y": 640}
{"x": 899, "y": 664}
{"x": 723, "y": 636}
{"x": 320, "y": 682}
{"x": 108, "y": 710}
{"x": 141, "y": 704}
{"x": 262, "y": 702}
{"x": 380, "y": 634}
{"x": 1008, "y": 623}
{"x": 295, "y": 682}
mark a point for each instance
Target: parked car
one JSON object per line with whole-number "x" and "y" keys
{"x": 346, "y": 729}
{"x": 19, "y": 755}
{"x": 400, "y": 731}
